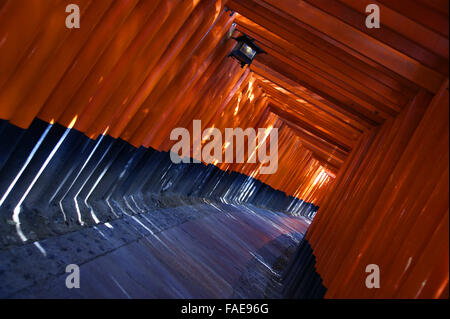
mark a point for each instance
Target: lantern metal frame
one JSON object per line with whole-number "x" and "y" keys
{"x": 245, "y": 50}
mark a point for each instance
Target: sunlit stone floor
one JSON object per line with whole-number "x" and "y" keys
{"x": 205, "y": 250}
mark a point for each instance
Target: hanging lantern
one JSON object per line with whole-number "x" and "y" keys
{"x": 245, "y": 50}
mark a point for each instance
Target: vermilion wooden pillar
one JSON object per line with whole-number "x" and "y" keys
{"x": 373, "y": 217}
